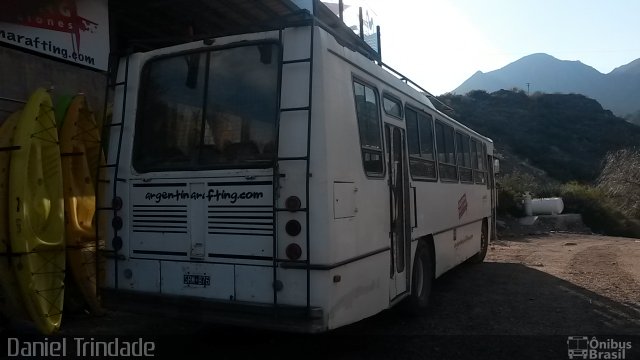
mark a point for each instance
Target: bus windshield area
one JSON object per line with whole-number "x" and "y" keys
{"x": 208, "y": 110}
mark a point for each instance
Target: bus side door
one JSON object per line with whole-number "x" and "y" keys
{"x": 400, "y": 231}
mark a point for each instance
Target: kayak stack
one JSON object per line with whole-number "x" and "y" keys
{"x": 82, "y": 156}
{"x": 48, "y": 180}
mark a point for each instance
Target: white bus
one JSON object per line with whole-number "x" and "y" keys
{"x": 283, "y": 179}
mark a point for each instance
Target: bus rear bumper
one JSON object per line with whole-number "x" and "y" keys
{"x": 250, "y": 315}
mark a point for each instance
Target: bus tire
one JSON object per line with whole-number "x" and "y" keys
{"x": 421, "y": 280}
{"x": 484, "y": 245}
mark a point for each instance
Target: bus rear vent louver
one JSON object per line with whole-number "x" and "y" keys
{"x": 160, "y": 219}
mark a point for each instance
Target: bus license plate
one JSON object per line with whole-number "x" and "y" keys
{"x": 197, "y": 280}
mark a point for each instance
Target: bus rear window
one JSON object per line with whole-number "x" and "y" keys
{"x": 208, "y": 110}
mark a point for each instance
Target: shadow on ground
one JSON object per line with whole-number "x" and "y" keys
{"x": 497, "y": 310}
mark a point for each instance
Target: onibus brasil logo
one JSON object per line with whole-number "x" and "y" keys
{"x": 583, "y": 347}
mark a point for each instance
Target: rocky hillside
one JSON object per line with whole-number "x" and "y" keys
{"x": 563, "y": 136}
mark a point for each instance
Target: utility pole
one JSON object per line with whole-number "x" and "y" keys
{"x": 528, "y": 85}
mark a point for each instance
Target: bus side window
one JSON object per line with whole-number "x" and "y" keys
{"x": 479, "y": 160}
{"x": 366, "y": 99}
{"x": 464, "y": 157}
{"x": 486, "y": 163}
{"x": 392, "y": 106}
{"x": 420, "y": 140}
{"x": 445, "y": 144}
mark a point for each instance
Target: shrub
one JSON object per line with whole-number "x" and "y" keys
{"x": 511, "y": 189}
{"x": 619, "y": 180}
{"x": 592, "y": 204}
{"x": 509, "y": 203}
{"x": 598, "y": 213}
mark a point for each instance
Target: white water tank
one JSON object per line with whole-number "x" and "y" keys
{"x": 527, "y": 204}
{"x": 547, "y": 206}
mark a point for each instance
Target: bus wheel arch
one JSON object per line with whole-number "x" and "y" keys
{"x": 422, "y": 276}
{"x": 484, "y": 244}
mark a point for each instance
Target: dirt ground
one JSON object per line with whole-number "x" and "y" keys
{"x": 530, "y": 293}
{"x": 607, "y": 266}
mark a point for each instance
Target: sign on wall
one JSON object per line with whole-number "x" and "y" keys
{"x": 73, "y": 30}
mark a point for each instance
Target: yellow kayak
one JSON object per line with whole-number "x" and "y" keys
{"x": 36, "y": 216}
{"x": 81, "y": 154}
{"x": 10, "y": 298}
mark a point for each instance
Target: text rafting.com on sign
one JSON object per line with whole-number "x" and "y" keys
{"x": 218, "y": 195}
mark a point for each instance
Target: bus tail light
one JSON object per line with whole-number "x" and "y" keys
{"x": 293, "y": 203}
{"x": 116, "y": 243}
{"x": 116, "y": 223}
{"x": 293, "y": 251}
{"x": 116, "y": 203}
{"x": 293, "y": 227}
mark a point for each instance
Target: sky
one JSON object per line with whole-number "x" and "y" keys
{"x": 441, "y": 43}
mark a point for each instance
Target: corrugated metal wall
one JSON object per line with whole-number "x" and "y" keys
{"x": 21, "y": 73}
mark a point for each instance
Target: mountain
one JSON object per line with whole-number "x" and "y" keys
{"x": 617, "y": 91}
{"x": 565, "y": 135}
{"x": 631, "y": 69}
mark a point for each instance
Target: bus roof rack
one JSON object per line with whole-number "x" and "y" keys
{"x": 149, "y": 24}
{"x": 145, "y": 25}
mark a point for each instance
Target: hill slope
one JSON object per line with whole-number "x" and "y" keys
{"x": 566, "y": 135}
{"x": 617, "y": 91}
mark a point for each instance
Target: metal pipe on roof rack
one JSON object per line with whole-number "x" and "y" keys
{"x": 406, "y": 79}
{"x": 447, "y": 107}
{"x": 379, "y": 45}
{"x": 361, "y": 23}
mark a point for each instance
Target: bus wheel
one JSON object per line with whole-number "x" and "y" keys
{"x": 484, "y": 245}
{"x": 421, "y": 280}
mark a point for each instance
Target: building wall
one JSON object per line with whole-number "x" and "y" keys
{"x": 21, "y": 73}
